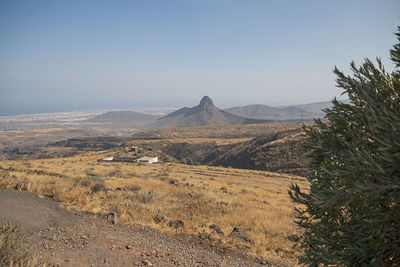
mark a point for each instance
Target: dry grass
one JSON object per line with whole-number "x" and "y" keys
{"x": 255, "y": 201}
{"x": 218, "y": 141}
{"x": 11, "y": 251}
{"x": 218, "y": 131}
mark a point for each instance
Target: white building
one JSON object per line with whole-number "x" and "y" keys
{"x": 127, "y": 159}
{"x": 108, "y": 159}
{"x": 147, "y": 159}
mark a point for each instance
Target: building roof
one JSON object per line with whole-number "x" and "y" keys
{"x": 147, "y": 158}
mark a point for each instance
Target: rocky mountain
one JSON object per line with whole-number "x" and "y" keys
{"x": 124, "y": 118}
{"x": 205, "y": 113}
{"x": 276, "y": 152}
{"x": 273, "y": 113}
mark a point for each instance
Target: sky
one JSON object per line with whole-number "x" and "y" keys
{"x": 60, "y": 55}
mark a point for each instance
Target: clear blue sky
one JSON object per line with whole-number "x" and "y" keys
{"x": 68, "y": 55}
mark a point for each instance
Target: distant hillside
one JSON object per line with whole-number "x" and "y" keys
{"x": 272, "y": 149}
{"x": 276, "y": 152}
{"x": 124, "y": 118}
{"x": 214, "y": 131}
{"x": 92, "y": 143}
{"x": 318, "y": 106}
{"x": 273, "y": 152}
{"x": 285, "y": 113}
{"x": 271, "y": 113}
{"x": 314, "y": 107}
{"x": 203, "y": 114}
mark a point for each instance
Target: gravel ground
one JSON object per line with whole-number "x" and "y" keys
{"x": 63, "y": 238}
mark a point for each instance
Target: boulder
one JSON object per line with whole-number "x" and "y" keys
{"x": 161, "y": 217}
{"x": 176, "y": 224}
{"x": 113, "y": 214}
{"x": 240, "y": 235}
{"x": 216, "y": 229}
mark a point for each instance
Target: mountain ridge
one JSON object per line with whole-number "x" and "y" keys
{"x": 124, "y": 118}
{"x": 205, "y": 113}
{"x": 260, "y": 111}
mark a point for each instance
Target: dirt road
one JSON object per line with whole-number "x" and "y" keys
{"x": 63, "y": 238}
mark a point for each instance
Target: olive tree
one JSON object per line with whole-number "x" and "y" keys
{"x": 350, "y": 215}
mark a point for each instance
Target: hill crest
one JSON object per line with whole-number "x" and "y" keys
{"x": 205, "y": 113}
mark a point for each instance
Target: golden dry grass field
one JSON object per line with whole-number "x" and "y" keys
{"x": 257, "y": 202}
{"x": 218, "y": 131}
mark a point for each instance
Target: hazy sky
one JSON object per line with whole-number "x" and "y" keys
{"x": 67, "y": 55}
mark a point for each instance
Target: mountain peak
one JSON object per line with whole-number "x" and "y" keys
{"x": 205, "y": 113}
{"x": 206, "y": 101}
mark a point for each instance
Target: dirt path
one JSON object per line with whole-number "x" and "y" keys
{"x": 62, "y": 238}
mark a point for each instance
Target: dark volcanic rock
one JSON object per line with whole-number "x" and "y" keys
{"x": 240, "y": 235}
{"x": 217, "y": 229}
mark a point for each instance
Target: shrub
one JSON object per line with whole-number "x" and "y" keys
{"x": 97, "y": 187}
{"x": 351, "y": 214}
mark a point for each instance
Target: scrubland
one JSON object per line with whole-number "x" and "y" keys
{"x": 254, "y": 201}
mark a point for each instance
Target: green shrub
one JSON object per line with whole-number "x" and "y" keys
{"x": 351, "y": 215}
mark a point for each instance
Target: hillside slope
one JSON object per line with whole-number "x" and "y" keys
{"x": 125, "y": 118}
{"x": 271, "y": 113}
{"x": 272, "y": 151}
{"x": 275, "y": 152}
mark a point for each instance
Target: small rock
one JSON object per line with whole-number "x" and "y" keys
{"x": 240, "y": 235}
{"x": 176, "y": 224}
{"x": 161, "y": 217}
{"x": 173, "y": 182}
{"x": 264, "y": 262}
{"x": 217, "y": 229}
{"x": 128, "y": 247}
{"x": 146, "y": 263}
{"x": 113, "y": 214}
{"x": 202, "y": 236}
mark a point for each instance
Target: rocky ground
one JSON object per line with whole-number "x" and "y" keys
{"x": 63, "y": 238}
